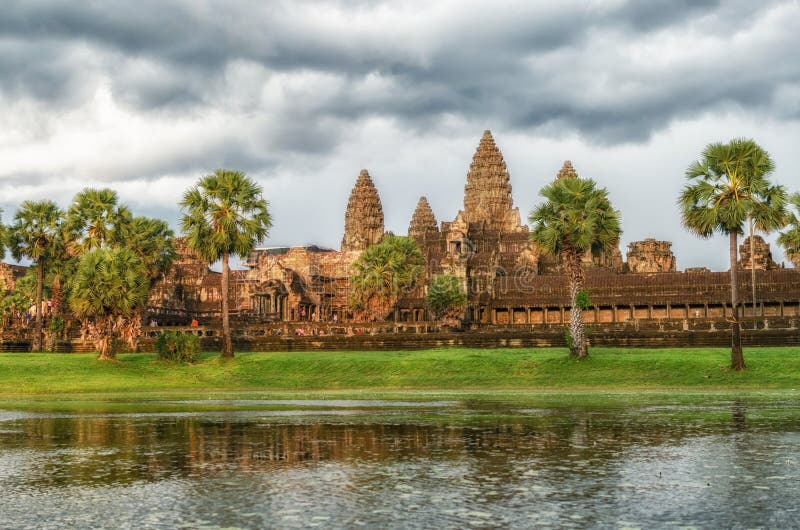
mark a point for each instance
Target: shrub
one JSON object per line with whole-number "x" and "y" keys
{"x": 177, "y": 346}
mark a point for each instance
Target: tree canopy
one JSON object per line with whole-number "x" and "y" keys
{"x": 382, "y": 273}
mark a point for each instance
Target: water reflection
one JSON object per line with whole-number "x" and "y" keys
{"x": 483, "y": 465}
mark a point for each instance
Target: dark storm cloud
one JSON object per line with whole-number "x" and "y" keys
{"x": 522, "y": 65}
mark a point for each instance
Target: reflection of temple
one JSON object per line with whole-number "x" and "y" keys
{"x": 509, "y": 280}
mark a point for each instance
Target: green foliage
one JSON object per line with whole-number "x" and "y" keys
{"x": 224, "y": 213}
{"x": 383, "y": 273}
{"x": 582, "y": 299}
{"x": 15, "y": 302}
{"x": 152, "y": 241}
{"x": 790, "y": 239}
{"x": 575, "y": 216}
{"x": 446, "y": 298}
{"x": 178, "y": 347}
{"x": 95, "y": 220}
{"x": 108, "y": 282}
{"x": 727, "y": 186}
{"x": 56, "y": 325}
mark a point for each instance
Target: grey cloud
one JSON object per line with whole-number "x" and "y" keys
{"x": 480, "y": 62}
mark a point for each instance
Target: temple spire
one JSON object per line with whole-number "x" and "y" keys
{"x": 567, "y": 171}
{"x": 487, "y": 195}
{"x": 423, "y": 221}
{"x": 363, "y": 221}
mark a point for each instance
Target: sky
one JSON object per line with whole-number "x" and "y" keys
{"x": 146, "y": 97}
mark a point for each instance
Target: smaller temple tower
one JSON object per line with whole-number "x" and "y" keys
{"x": 762, "y": 256}
{"x": 363, "y": 221}
{"x": 423, "y": 222}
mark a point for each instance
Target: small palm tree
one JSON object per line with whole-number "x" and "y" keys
{"x": 727, "y": 187}
{"x": 576, "y": 217}
{"x": 383, "y": 273}
{"x": 110, "y": 287}
{"x": 225, "y": 214}
{"x": 790, "y": 240}
{"x": 34, "y": 234}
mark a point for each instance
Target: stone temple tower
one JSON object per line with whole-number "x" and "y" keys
{"x": 487, "y": 195}
{"x": 363, "y": 221}
{"x": 423, "y": 222}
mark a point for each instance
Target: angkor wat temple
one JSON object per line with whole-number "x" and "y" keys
{"x": 508, "y": 279}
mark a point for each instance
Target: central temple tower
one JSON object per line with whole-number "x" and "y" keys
{"x": 487, "y": 194}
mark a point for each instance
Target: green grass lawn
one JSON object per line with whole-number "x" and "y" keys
{"x": 443, "y": 369}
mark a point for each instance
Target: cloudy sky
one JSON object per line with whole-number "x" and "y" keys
{"x": 147, "y": 96}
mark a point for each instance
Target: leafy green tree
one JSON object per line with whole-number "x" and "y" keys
{"x": 446, "y": 298}
{"x": 727, "y": 187}
{"x": 225, "y": 214}
{"x": 382, "y": 274}
{"x": 34, "y": 234}
{"x": 109, "y": 288}
{"x": 790, "y": 239}
{"x": 575, "y": 217}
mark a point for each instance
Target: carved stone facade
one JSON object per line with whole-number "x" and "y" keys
{"x": 651, "y": 255}
{"x": 762, "y": 257}
{"x": 9, "y": 274}
{"x": 363, "y": 221}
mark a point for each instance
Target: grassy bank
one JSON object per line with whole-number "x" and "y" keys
{"x": 607, "y": 368}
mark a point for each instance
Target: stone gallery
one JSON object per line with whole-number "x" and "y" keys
{"x": 508, "y": 280}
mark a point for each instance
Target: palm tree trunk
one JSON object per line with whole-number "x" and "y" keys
{"x": 227, "y": 345}
{"x": 737, "y": 357}
{"x": 104, "y": 340}
{"x": 579, "y": 348}
{"x": 38, "y": 341}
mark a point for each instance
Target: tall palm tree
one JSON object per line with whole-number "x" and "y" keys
{"x": 109, "y": 288}
{"x": 383, "y": 273}
{"x": 790, "y": 240}
{"x": 728, "y": 186}
{"x": 95, "y": 219}
{"x": 225, "y": 214}
{"x": 575, "y": 217}
{"x": 34, "y": 233}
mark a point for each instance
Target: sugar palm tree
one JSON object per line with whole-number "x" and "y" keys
{"x": 790, "y": 239}
{"x": 224, "y": 214}
{"x": 383, "y": 273}
{"x": 95, "y": 219}
{"x": 727, "y": 187}
{"x": 576, "y": 217}
{"x": 110, "y": 287}
{"x": 34, "y": 234}
{"x": 152, "y": 241}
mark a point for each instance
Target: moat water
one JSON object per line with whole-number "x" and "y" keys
{"x": 453, "y": 461}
